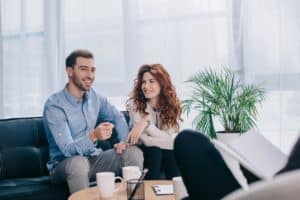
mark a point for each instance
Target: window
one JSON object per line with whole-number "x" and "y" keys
{"x": 22, "y": 50}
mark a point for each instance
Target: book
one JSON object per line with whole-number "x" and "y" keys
{"x": 163, "y": 189}
{"x": 254, "y": 152}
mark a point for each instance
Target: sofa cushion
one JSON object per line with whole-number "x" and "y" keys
{"x": 23, "y": 148}
{"x": 22, "y": 162}
{"x": 32, "y": 188}
{"x": 22, "y": 132}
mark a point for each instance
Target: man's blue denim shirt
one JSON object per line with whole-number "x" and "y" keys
{"x": 68, "y": 122}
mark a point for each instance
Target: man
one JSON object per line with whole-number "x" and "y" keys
{"x": 70, "y": 118}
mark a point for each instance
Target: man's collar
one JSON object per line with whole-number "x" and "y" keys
{"x": 73, "y": 100}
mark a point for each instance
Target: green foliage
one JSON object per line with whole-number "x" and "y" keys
{"x": 221, "y": 95}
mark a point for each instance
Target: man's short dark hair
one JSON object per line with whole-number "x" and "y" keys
{"x": 71, "y": 59}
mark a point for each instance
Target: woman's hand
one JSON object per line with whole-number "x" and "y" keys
{"x": 136, "y": 132}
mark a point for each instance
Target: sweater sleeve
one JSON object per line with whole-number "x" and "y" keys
{"x": 153, "y": 136}
{"x": 134, "y": 116}
{"x": 163, "y": 143}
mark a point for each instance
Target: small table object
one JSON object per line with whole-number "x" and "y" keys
{"x": 92, "y": 193}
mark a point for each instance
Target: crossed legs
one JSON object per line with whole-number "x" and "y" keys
{"x": 202, "y": 167}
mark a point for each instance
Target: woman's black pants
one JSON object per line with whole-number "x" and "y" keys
{"x": 159, "y": 161}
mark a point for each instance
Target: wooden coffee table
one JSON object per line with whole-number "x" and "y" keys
{"x": 92, "y": 193}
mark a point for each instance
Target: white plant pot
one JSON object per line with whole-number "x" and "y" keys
{"x": 227, "y": 137}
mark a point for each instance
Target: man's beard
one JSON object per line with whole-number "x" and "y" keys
{"x": 79, "y": 85}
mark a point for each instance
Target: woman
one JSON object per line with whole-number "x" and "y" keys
{"x": 155, "y": 112}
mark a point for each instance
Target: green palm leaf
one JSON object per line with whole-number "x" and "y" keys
{"x": 219, "y": 94}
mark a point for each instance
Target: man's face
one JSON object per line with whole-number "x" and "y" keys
{"x": 83, "y": 73}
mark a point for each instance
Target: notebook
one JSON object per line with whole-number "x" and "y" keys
{"x": 163, "y": 189}
{"x": 255, "y": 153}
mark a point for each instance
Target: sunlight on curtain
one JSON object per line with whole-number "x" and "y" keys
{"x": 183, "y": 36}
{"x": 271, "y": 31}
{"x": 22, "y": 57}
{"x": 262, "y": 38}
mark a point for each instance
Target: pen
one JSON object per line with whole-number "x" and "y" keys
{"x": 138, "y": 184}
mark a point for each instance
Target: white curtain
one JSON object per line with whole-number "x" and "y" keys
{"x": 36, "y": 36}
{"x": 31, "y": 65}
{"x": 259, "y": 37}
{"x": 182, "y": 35}
{"x": 271, "y": 55}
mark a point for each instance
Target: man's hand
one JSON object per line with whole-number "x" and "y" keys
{"x": 136, "y": 132}
{"x": 120, "y": 147}
{"x": 104, "y": 130}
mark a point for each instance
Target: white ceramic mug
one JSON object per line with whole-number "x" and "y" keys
{"x": 179, "y": 188}
{"x": 106, "y": 183}
{"x": 131, "y": 172}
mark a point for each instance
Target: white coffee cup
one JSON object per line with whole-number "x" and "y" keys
{"x": 131, "y": 172}
{"x": 179, "y": 188}
{"x": 106, "y": 183}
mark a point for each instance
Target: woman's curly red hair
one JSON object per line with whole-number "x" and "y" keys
{"x": 168, "y": 102}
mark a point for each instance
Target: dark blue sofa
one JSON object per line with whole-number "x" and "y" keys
{"x": 23, "y": 157}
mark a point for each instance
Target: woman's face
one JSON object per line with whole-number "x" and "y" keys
{"x": 150, "y": 86}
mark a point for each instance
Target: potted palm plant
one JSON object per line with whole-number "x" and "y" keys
{"x": 221, "y": 95}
